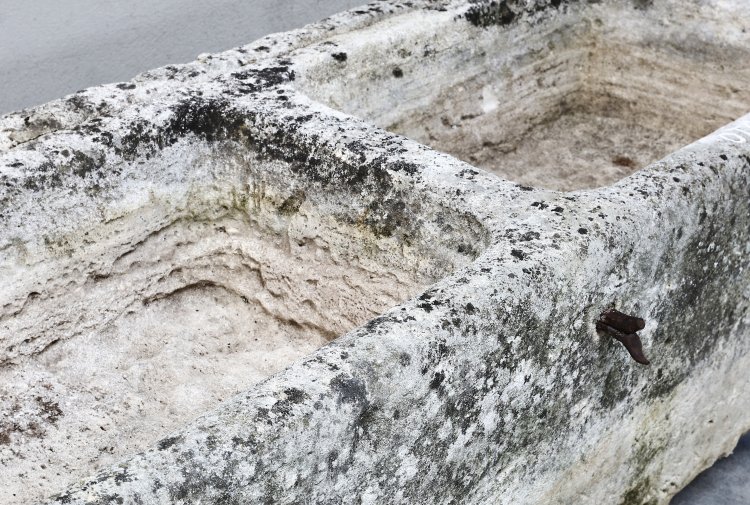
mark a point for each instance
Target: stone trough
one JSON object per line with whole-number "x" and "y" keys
{"x": 363, "y": 262}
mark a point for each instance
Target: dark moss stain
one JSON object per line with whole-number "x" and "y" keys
{"x": 340, "y": 57}
{"x": 79, "y": 103}
{"x": 50, "y": 410}
{"x": 349, "y": 389}
{"x": 487, "y": 13}
{"x": 43, "y": 176}
{"x": 292, "y": 204}
{"x": 168, "y": 442}
{"x": 292, "y": 397}
{"x": 704, "y": 273}
{"x": 437, "y": 379}
{"x": 210, "y": 120}
{"x": 385, "y": 217}
{"x": 120, "y": 476}
{"x": 398, "y": 73}
{"x": 638, "y": 493}
{"x": 83, "y": 164}
{"x": 518, "y": 254}
{"x": 254, "y": 80}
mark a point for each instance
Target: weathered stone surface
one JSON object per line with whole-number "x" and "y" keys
{"x": 489, "y": 384}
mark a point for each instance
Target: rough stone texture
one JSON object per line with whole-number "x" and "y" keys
{"x": 490, "y": 385}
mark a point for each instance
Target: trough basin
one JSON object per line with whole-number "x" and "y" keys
{"x": 366, "y": 261}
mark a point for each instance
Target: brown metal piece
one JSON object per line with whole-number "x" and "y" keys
{"x": 623, "y": 328}
{"x": 622, "y": 322}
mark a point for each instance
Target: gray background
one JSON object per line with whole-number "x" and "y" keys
{"x": 49, "y": 48}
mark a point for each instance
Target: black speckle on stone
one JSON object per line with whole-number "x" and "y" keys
{"x": 437, "y": 379}
{"x": 80, "y": 102}
{"x": 643, "y": 4}
{"x": 403, "y": 166}
{"x": 466, "y": 249}
{"x": 292, "y": 204}
{"x": 255, "y": 79}
{"x": 349, "y": 389}
{"x": 168, "y": 442}
{"x": 83, "y": 165}
{"x": 50, "y": 410}
{"x": 398, "y": 73}
{"x": 295, "y": 395}
{"x": 126, "y": 85}
{"x": 517, "y": 253}
{"x": 209, "y": 119}
{"x": 122, "y": 476}
{"x": 373, "y": 324}
{"x": 529, "y": 235}
{"x": 247, "y": 443}
{"x": 63, "y": 498}
{"x": 582, "y": 231}
{"x": 426, "y": 306}
{"x": 405, "y": 359}
{"x": 470, "y": 309}
{"x": 485, "y": 14}
{"x": 524, "y": 188}
{"x": 434, "y": 356}
{"x": 332, "y": 457}
{"x": 723, "y": 157}
{"x": 340, "y": 57}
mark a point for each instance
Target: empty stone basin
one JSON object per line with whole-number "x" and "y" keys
{"x": 144, "y": 285}
{"x": 578, "y": 100}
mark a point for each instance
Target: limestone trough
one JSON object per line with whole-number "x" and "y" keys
{"x": 290, "y": 273}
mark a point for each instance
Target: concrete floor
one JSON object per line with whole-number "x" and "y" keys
{"x": 50, "y": 48}
{"x": 726, "y": 483}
